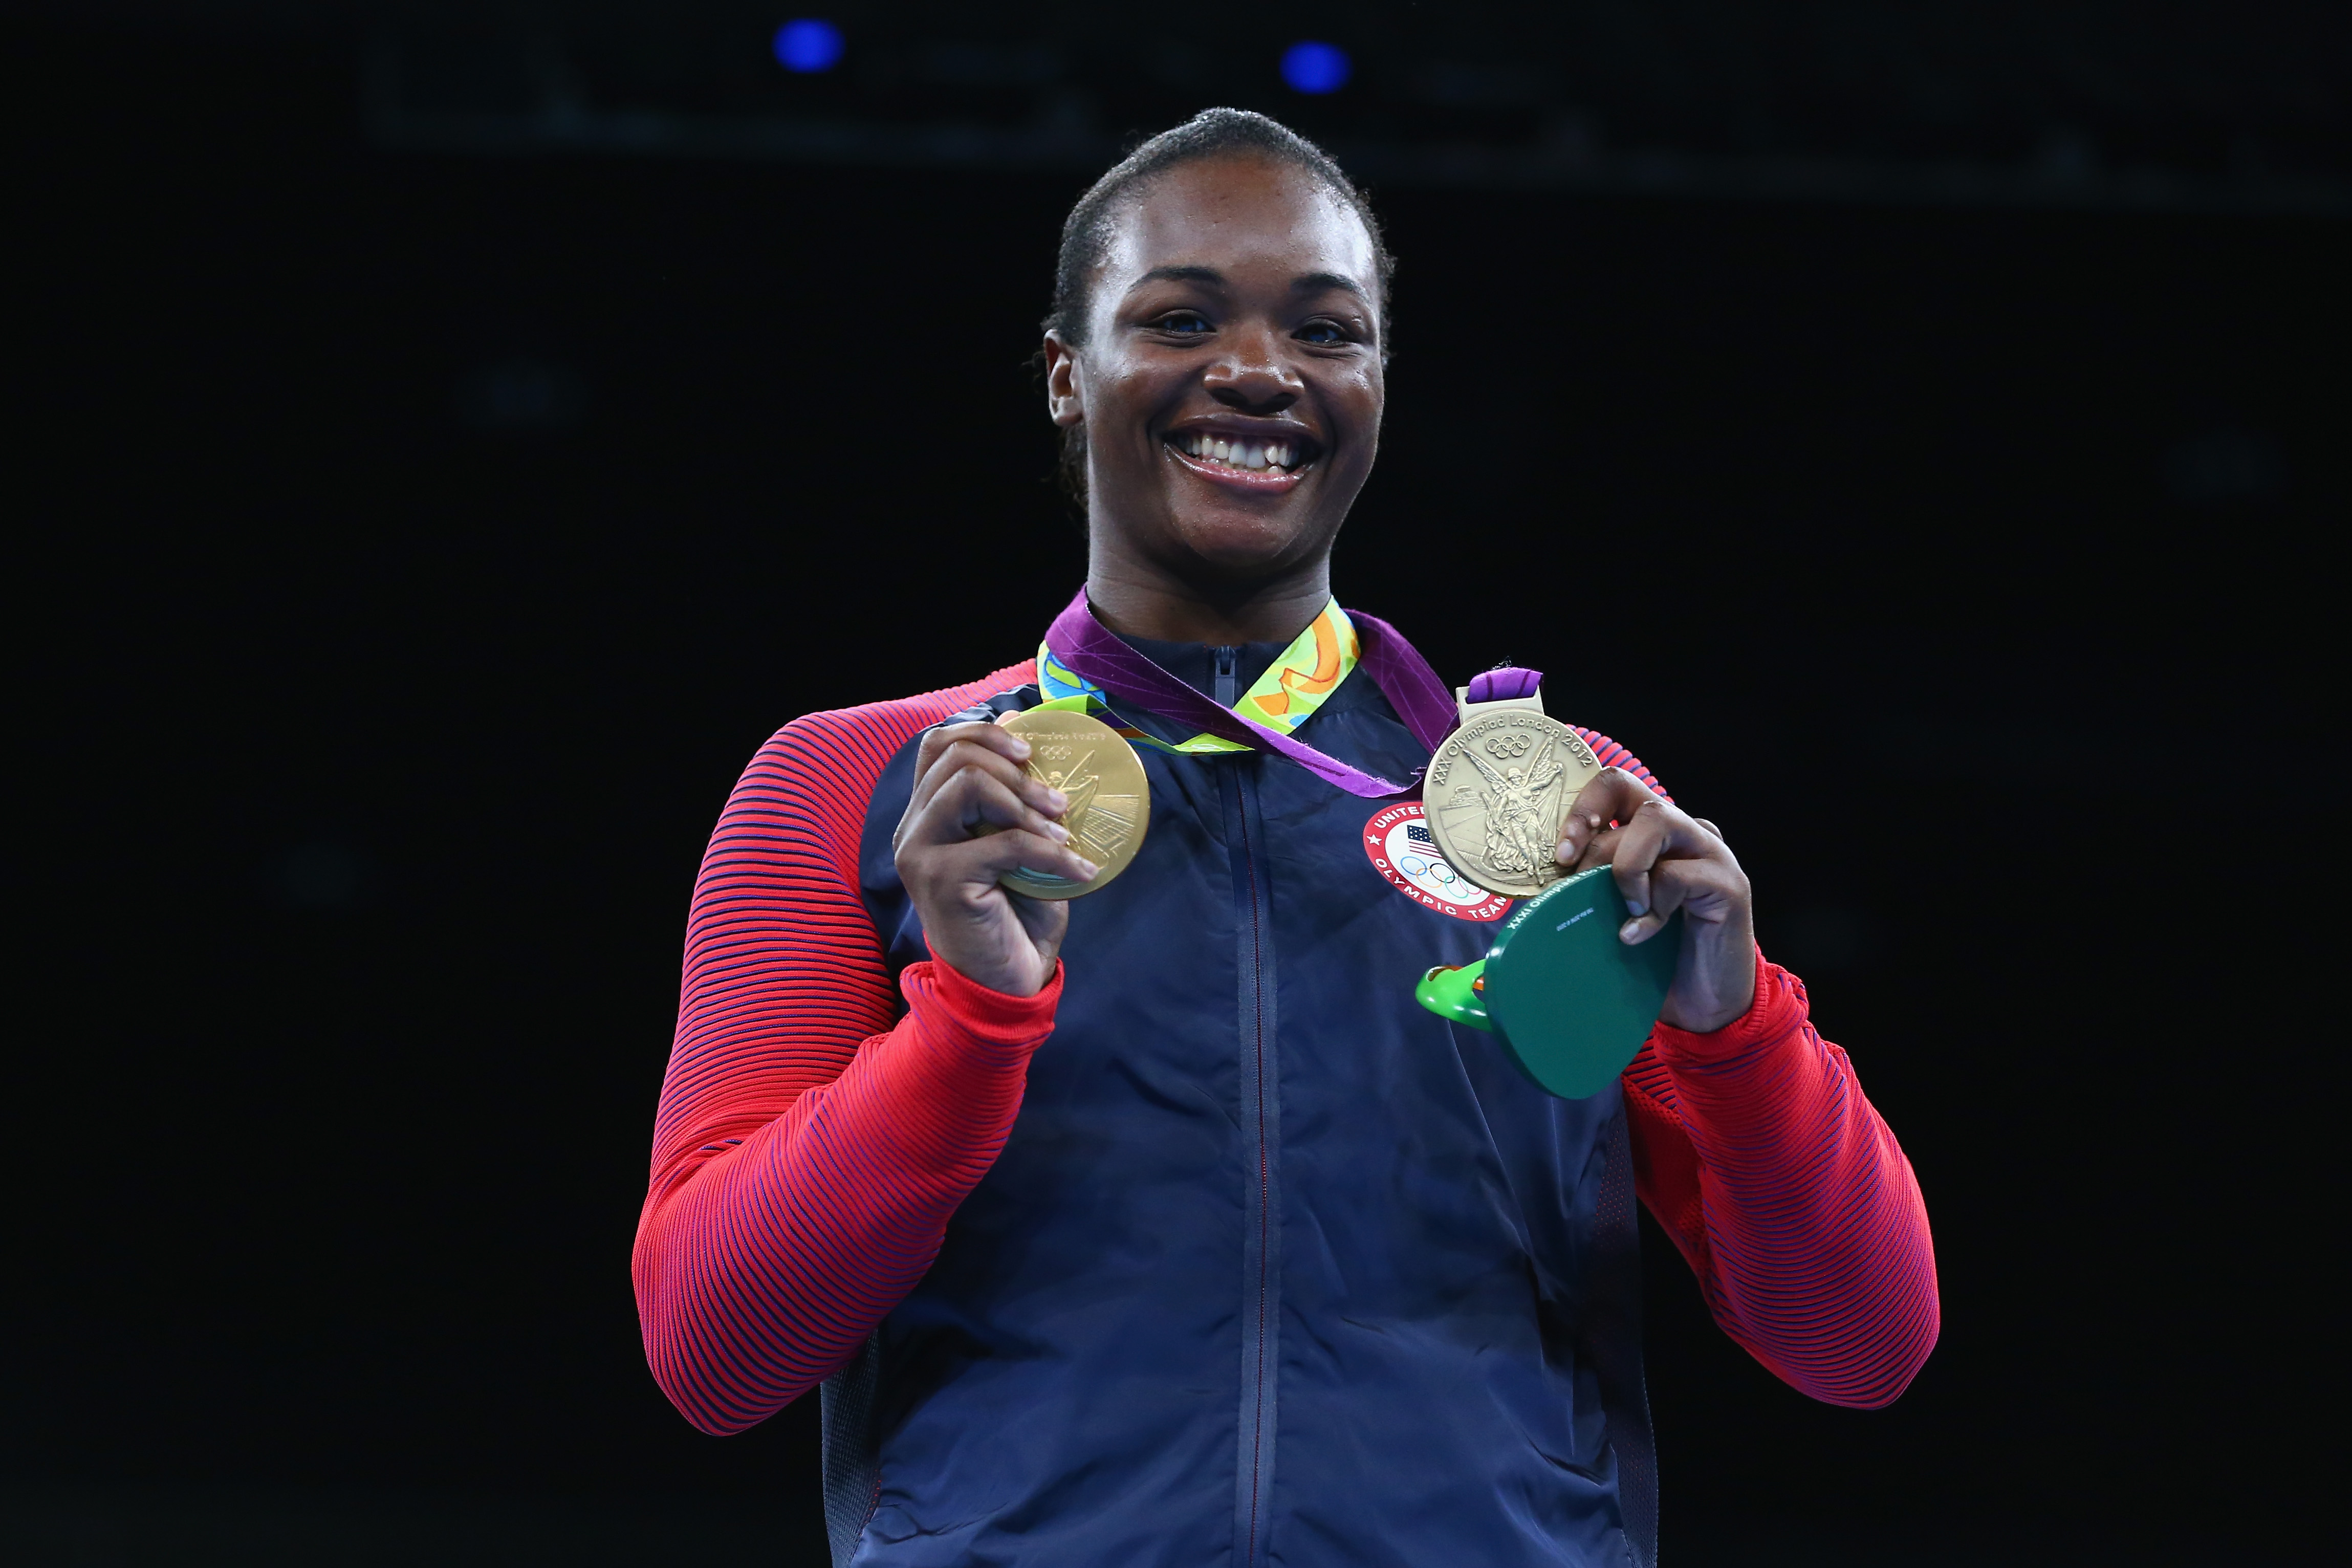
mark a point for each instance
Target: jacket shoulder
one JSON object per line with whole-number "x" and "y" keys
{"x": 863, "y": 739}
{"x": 802, "y": 800}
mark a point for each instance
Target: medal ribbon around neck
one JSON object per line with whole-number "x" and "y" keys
{"x": 1082, "y": 664}
{"x": 1292, "y": 687}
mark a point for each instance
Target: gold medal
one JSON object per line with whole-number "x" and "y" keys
{"x": 1110, "y": 798}
{"x": 1498, "y": 791}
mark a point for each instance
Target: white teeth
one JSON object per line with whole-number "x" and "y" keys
{"x": 1255, "y": 455}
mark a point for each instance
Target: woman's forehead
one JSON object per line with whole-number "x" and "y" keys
{"x": 1237, "y": 215}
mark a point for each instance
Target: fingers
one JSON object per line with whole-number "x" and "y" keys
{"x": 1661, "y": 856}
{"x": 975, "y": 732}
{"x": 1611, "y": 795}
{"x": 976, "y": 827}
{"x": 976, "y": 800}
{"x": 1712, "y": 896}
{"x": 1666, "y": 887}
{"x": 985, "y": 859}
{"x": 1656, "y": 829}
{"x": 964, "y": 756}
{"x": 953, "y": 750}
{"x": 948, "y": 747}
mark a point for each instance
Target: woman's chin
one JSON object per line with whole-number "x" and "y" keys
{"x": 1245, "y": 553}
{"x": 1241, "y": 545}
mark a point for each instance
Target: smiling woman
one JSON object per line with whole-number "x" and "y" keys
{"x": 1160, "y": 1225}
{"x": 1223, "y": 305}
{"x": 1238, "y": 140}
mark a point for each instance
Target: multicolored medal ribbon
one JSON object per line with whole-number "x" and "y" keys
{"x": 1083, "y": 664}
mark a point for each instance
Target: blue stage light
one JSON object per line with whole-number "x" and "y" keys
{"x": 807, "y": 44}
{"x": 1316, "y": 67}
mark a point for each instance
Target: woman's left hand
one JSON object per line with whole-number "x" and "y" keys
{"x": 1666, "y": 859}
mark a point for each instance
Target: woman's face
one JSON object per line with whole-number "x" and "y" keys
{"x": 1230, "y": 379}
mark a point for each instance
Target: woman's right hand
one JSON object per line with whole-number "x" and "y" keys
{"x": 969, "y": 777}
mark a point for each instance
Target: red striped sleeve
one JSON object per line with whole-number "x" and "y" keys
{"x": 1756, "y": 1150}
{"x": 807, "y": 1155}
{"x": 1610, "y": 754}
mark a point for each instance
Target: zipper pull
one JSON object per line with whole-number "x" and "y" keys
{"x": 1226, "y": 658}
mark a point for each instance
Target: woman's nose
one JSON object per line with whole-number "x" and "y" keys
{"x": 1254, "y": 374}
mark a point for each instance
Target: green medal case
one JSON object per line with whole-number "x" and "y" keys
{"x": 1570, "y": 1003}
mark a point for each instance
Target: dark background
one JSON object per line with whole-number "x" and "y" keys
{"x": 411, "y": 546}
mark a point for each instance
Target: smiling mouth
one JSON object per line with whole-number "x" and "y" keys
{"x": 1218, "y": 454}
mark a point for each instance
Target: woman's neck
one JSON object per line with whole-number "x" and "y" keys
{"x": 1139, "y": 601}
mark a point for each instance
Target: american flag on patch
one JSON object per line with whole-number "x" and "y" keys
{"x": 1418, "y": 836}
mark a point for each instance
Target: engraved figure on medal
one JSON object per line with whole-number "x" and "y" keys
{"x": 1101, "y": 824}
{"x": 1498, "y": 818}
{"x": 1520, "y": 830}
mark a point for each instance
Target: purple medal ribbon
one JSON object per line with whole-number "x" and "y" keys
{"x": 1089, "y": 649}
{"x": 1508, "y": 681}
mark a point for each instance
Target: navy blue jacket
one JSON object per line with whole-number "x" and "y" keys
{"x": 1275, "y": 1268}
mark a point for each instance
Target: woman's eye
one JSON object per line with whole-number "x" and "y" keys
{"x": 1184, "y": 323}
{"x": 1322, "y": 333}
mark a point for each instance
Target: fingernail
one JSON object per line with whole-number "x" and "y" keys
{"x": 1057, "y": 833}
{"x": 1637, "y": 906}
{"x": 1089, "y": 867}
{"x": 1020, "y": 747}
{"x": 1059, "y": 802}
{"x": 1629, "y": 930}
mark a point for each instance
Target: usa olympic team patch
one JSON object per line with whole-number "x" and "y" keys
{"x": 1401, "y": 848}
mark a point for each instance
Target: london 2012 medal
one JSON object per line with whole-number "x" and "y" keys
{"x": 1110, "y": 798}
{"x": 1497, "y": 792}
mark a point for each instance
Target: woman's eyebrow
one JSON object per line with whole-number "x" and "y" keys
{"x": 1305, "y": 283}
{"x": 1208, "y": 275}
{"x": 1315, "y": 282}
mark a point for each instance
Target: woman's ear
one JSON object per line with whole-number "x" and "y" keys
{"x": 1064, "y": 392}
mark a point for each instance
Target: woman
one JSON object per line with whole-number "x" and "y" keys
{"x": 1161, "y": 1226}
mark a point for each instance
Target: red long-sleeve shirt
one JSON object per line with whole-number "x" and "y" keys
{"x": 808, "y": 1153}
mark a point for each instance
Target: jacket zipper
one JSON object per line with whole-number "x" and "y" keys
{"x": 1260, "y": 1129}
